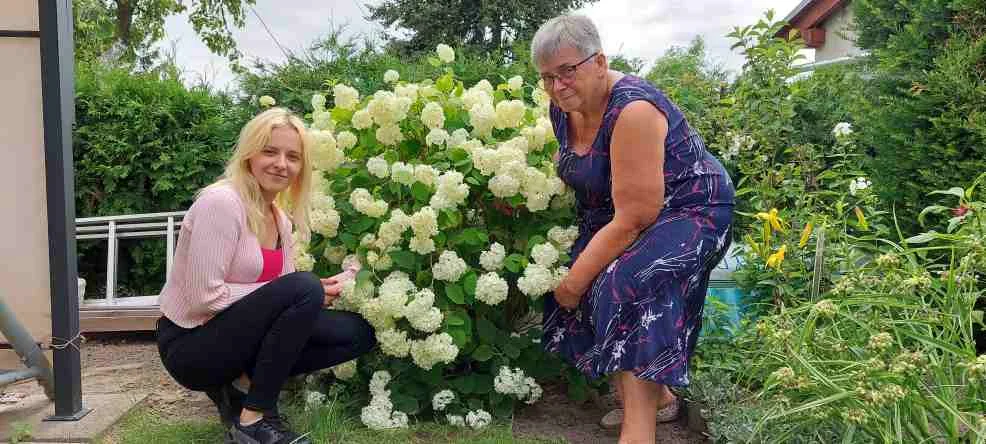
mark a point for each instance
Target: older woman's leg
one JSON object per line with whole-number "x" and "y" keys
{"x": 641, "y": 400}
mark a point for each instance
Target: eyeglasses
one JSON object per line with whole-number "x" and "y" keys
{"x": 565, "y": 73}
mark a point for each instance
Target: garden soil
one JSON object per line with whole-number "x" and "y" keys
{"x": 130, "y": 363}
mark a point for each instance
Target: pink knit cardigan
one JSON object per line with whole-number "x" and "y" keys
{"x": 217, "y": 260}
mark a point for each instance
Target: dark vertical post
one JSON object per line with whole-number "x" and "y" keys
{"x": 58, "y": 110}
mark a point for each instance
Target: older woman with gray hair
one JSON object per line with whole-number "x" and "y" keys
{"x": 654, "y": 211}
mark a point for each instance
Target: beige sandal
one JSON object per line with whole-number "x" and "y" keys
{"x": 614, "y": 419}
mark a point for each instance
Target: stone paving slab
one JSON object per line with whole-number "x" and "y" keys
{"x": 107, "y": 409}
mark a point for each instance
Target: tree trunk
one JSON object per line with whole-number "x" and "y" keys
{"x": 124, "y": 19}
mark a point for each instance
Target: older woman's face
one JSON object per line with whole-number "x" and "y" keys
{"x": 568, "y": 77}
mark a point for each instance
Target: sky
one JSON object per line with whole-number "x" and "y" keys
{"x": 634, "y": 28}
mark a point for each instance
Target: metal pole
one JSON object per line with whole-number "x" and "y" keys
{"x": 58, "y": 108}
{"x": 26, "y": 349}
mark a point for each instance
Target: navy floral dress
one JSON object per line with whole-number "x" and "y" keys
{"x": 643, "y": 312}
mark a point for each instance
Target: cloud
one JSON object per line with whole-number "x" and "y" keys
{"x": 632, "y": 28}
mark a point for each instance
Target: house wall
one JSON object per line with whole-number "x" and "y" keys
{"x": 839, "y": 39}
{"x": 24, "y": 277}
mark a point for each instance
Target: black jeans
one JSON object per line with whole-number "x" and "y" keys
{"x": 277, "y": 331}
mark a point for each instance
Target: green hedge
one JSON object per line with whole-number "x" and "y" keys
{"x": 144, "y": 144}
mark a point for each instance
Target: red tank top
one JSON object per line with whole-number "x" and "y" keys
{"x": 273, "y": 263}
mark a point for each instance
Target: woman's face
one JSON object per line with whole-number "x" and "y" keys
{"x": 277, "y": 165}
{"x": 569, "y": 77}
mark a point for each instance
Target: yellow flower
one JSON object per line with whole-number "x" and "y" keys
{"x": 772, "y": 218}
{"x": 861, "y": 218}
{"x": 775, "y": 259}
{"x": 805, "y": 234}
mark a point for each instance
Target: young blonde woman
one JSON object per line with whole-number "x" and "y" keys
{"x": 238, "y": 319}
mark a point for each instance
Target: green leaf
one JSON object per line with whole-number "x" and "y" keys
{"x": 487, "y": 330}
{"x": 406, "y": 404}
{"x": 405, "y": 259}
{"x": 475, "y": 404}
{"x": 463, "y": 384}
{"x": 469, "y": 283}
{"x": 922, "y": 238}
{"x": 514, "y": 263}
{"x": 954, "y": 191}
{"x": 511, "y": 351}
{"x": 362, "y": 224}
{"x": 433, "y": 61}
{"x": 482, "y": 353}
{"x": 454, "y": 318}
{"x": 445, "y": 83}
{"x": 454, "y": 293}
{"x": 420, "y": 192}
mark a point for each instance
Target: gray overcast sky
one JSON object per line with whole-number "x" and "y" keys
{"x": 635, "y": 28}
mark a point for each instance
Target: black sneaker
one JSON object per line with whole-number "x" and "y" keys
{"x": 269, "y": 430}
{"x": 229, "y": 401}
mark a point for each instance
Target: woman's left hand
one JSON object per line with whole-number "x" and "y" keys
{"x": 569, "y": 295}
{"x": 332, "y": 290}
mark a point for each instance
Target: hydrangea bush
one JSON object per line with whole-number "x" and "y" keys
{"x": 447, "y": 196}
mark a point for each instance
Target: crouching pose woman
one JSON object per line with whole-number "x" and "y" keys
{"x": 238, "y": 319}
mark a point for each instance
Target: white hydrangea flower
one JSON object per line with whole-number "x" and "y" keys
{"x": 362, "y": 119}
{"x": 537, "y": 201}
{"x": 324, "y": 217}
{"x": 535, "y": 391}
{"x": 345, "y": 371}
{"x": 536, "y": 281}
{"x": 515, "y": 83}
{"x": 544, "y": 254}
{"x": 504, "y": 186}
{"x": 558, "y": 275}
{"x": 475, "y": 96}
{"x": 389, "y": 135}
{"x": 421, "y": 245}
{"x": 391, "y": 76}
{"x": 354, "y": 296}
{"x": 318, "y": 102}
{"x": 409, "y": 92}
{"x": 304, "y": 261}
{"x": 482, "y": 118}
{"x": 393, "y": 342}
{"x": 436, "y": 137}
{"x": 379, "y": 415}
{"x": 433, "y": 116}
{"x": 434, "y": 349}
{"x": 450, "y": 191}
{"x": 424, "y": 223}
{"x": 491, "y": 288}
{"x": 402, "y": 173}
{"x": 478, "y": 419}
{"x": 345, "y": 96}
{"x": 346, "y": 140}
{"x": 563, "y": 237}
{"x": 266, "y": 101}
{"x": 335, "y": 254}
{"x": 484, "y": 85}
{"x": 387, "y": 108}
{"x": 445, "y": 53}
{"x": 509, "y": 114}
{"x": 456, "y": 420}
{"x": 450, "y": 267}
{"x": 492, "y": 259}
{"x": 313, "y": 400}
{"x": 363, "y": 201}
{"x": 426, "y": 174}
{"x": 325, "y": 155}
{"x": 442, "y": 399}
{"x": 458, "y": 137}
{"x": 842, "y": 129}
{"x": 428, "y": 91}
{"x": 421, "y": 312}
{"x": 322, "y": 120}
{"x": 378, "y": 167}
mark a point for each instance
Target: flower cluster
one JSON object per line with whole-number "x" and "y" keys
{"x": 380, "y": 414}
{"x": 858, "y": 184}
{"x": 450, "y": 267}
{"x": 363, "y": 201}
{"x": 442, "y": 399}
{"x": 842, "y": 129}
{"x": 513, "y": 382}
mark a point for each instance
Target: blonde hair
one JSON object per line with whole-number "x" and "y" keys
{"x": 295, "y": 201}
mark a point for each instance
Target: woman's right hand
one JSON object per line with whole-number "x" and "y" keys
{"x": 332, "y": 288}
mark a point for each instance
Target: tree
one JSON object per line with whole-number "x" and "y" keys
{"x": 128, "y": 29}
{"x": 489, "y": 24}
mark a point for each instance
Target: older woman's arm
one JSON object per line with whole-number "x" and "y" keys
{"x": 637, "y": 163}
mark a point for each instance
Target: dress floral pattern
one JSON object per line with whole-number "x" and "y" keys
{"x": 643, "y": 312}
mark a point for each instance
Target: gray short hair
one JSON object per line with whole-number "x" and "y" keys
{"x": 570, "y": 30}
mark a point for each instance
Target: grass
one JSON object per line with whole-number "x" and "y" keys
{"x": 334, "y": 422}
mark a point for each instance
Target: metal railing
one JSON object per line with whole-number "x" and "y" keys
{"x": 129, "y": 226}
